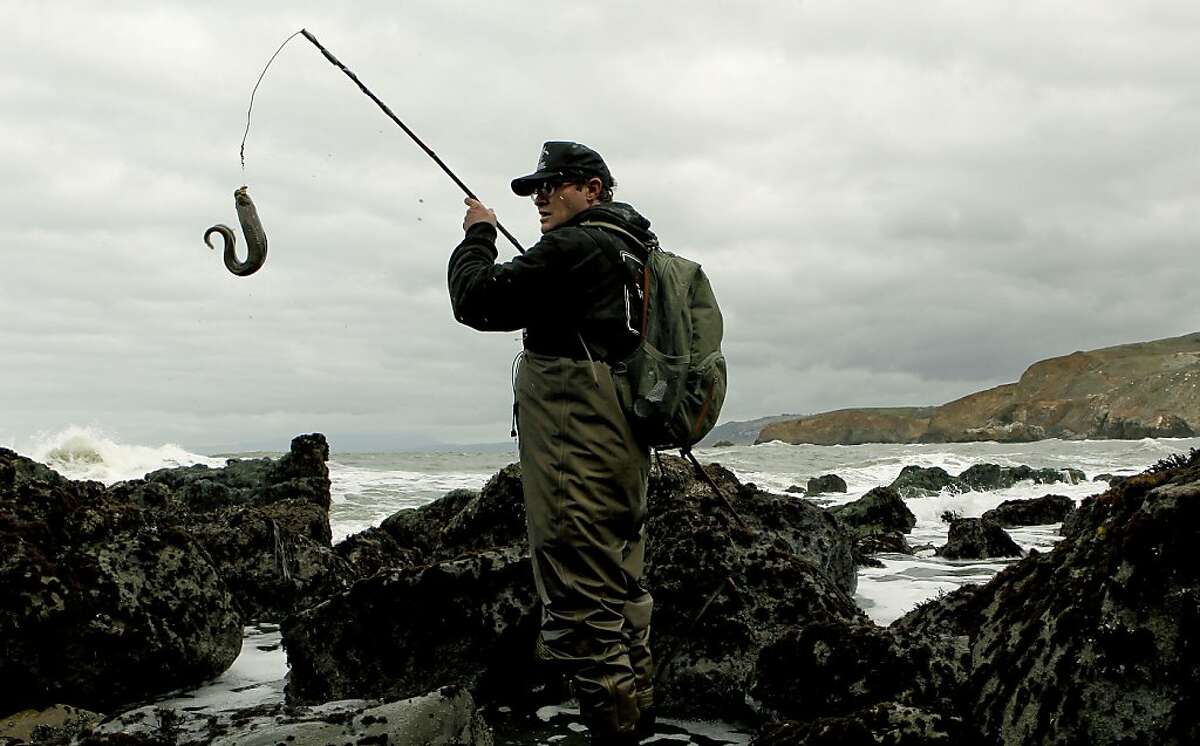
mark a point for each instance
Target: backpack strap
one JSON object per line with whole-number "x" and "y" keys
{"x": 618, "y": 229}
{"x": 631, "y": 282}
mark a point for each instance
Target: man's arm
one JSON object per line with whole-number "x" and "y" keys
{"x": 499, "y": 297}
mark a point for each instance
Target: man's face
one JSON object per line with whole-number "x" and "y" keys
{"x": 558, "y": 203}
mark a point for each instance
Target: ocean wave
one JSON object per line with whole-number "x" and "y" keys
{"x": 79, "y": 452}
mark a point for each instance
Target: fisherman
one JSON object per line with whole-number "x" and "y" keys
{"x": 583, "y": 471}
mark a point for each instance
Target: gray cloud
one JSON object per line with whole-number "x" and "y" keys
{"x": 895, "y": 208}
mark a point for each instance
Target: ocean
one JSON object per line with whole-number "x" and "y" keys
{"x": 368, "y": 487}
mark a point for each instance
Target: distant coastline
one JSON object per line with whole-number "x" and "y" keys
{"x": 1138, "y": 390}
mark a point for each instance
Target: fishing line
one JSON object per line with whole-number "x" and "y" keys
{"x": 384, "y": 107}
{"x": 242, "y": 151}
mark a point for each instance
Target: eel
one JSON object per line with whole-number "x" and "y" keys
{"x": 256, "y": 239}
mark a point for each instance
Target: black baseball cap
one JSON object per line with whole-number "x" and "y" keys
{"x": 562, "y": 161}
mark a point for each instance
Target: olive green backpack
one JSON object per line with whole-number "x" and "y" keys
{"x": 672, "y": 385}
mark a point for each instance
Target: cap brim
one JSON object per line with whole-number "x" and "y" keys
{"x": 523, "y": 186}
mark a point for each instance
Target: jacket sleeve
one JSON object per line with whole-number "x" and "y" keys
{"x": 499, "y": 297}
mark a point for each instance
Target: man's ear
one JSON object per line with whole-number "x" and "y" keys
{"x": 593, "y": 189}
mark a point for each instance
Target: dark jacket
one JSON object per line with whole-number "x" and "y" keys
{"x": 570, "y": 283}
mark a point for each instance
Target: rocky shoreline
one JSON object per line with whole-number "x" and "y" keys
{"x": 1139, "y": 390}
{"x": 411, "y": 632}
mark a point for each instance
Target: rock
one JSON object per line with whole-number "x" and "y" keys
{"x": 796, "y": 489}
{"x": 798, "y": 562}
{"x": 460, "y": 522}
{"x": 1112, "y": 479}
{"x": 470, "y": 621}
{"x": 848, "y": 667}
{"x": 56, "y": 724}
{"x": 880, "y": 511}
{"x": 442, "y": 718}
{"x": 722, "y": 444}
{"x": 984, "y": 477}
{"x": 271, "y": 571}
{"x": 890, "y": 542}
{"x": 975, "y": 538}
{"x": 301, "y": 474}
{"x": 1091, "y": 642}
{"x": 884, "y": 723}
{"x": 103, "y": 602}
{"x": 473, "y": 620}
{"x": 826, "y": 483}
{"x": 264, "y": 523}
{"x": 1038, "y": 511}
{"x": 919, "y": 481}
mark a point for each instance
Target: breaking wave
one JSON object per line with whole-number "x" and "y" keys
{"x": 79, "y": 452}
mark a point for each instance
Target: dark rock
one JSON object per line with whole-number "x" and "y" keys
{"x": 1093, "y": 641}
{"x": 995, "y": 477}
{"x": 271, "y": 570}
{"x": 447, "y": 716}
{"x": 975, "y": 538}
{"x": 265, "y": 523}
{"x": 461, "y": 522}
{"x": 300, "y": 474}
{"x": 921, "y": 481}
{"x": 474, "y": 620}
{"x": 826, "y": 483}
{"x": 722, "y": 444}
{"x": 884, "y": 723}
{"x": 52, "y": 725}
{"x": 796, "y": 568}
{"x": 796, "y": 489}
{"x": 950, "y": 516}
{"x": 1038, "y": 511}
{"x": 103, "y": 603}
{"x": 879, "y": 511}
{"x": 470, "y": 621}
{"x": 953, "y": 615}
{"x": 373, "y": 550}
{"x": 1112, "y": 479}
{"x": 890, "y": 542}
{"x": 848, "y": 667}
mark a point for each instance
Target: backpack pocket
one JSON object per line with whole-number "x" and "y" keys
{"x": 650, "y": 385}
{"x": 703, "y": 397}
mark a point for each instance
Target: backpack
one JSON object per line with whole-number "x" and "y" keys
{"x": 672, "y": 385}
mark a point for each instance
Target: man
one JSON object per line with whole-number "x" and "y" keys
{"x": 583, "y": 470}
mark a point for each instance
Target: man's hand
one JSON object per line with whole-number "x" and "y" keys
{"x": 477, "y": 213}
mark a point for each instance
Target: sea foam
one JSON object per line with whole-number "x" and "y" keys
{"x": 79, "y": 452}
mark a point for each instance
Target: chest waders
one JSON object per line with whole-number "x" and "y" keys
{"x": 584, "y": 476}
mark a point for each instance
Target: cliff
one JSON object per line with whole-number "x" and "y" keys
{"x": 1145, "y": 389}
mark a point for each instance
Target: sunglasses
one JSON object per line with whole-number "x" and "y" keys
{"x": 545, "y": 189}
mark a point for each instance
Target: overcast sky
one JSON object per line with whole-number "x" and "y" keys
{"x": 896, "y": 203}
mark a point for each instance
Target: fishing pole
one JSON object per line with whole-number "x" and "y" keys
{"x": 350, "y": 74}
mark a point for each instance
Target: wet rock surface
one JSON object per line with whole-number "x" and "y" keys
{"x": 470, "y": 621}
{"x": 264, "y": 522}
{"x": 57, "y": 724}
{"x": 878, "y": 522}
{"x": 884, "y": 723}
{"x": 922, "y": 481}
{"x": 978, "y": 538}
{"x": 996, "y": 477}
{"x": 441, "y": 718}
{"x": 1091, "y": 642}
{"x": 104, "y": 602}
{"x": 826, "y": 483}
{"x": 478, "y": 614}
{"x": 1039, "y": 511}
